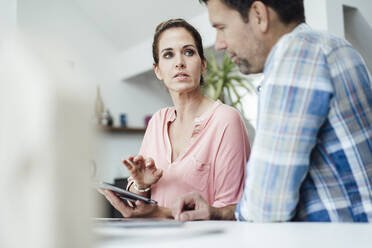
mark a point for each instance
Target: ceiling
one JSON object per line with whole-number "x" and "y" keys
{"x": 126, "y": 23}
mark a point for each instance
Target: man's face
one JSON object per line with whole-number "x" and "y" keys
{"x": 241, "y": 40}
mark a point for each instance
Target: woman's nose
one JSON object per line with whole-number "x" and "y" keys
{"x": 180, "y": 63}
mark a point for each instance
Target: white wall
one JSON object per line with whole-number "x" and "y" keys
{"x": 349, "y": 19}
{"x": 359, "y": 33}
{"x": 328, "y": 15}
{"x": 8, "y": 18}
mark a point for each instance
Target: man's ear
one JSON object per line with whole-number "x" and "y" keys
{"x": 259, "y": 14}
{"x": 157, "y": 72}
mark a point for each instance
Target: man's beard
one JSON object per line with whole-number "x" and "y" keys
{"x": 247, "y": 68}
{"x": 244, "y": 66}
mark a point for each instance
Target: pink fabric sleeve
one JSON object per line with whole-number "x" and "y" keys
{"x": 231, "y": 161}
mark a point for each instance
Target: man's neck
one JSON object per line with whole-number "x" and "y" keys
{"x": 279, "y": 30}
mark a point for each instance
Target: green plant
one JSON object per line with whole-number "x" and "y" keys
{"x": 225, "y": 83}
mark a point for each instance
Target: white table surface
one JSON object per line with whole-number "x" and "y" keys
{"x": 212, "y": 234}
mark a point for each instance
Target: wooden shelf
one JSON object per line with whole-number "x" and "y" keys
{"x": 123, "y": 129}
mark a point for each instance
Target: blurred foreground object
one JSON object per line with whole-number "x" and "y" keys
{"x": 45, "y": 146}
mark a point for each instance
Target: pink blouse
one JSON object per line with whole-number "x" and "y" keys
{"x": 213, "y": 164}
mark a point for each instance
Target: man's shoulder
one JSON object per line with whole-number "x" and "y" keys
{"x": 308, "y": 38}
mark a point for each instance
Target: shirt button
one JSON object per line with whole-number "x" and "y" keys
{"x": 259, "y": 88}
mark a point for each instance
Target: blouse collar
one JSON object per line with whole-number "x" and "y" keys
{"x": 199, "y": 122}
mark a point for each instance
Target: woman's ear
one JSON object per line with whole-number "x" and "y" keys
{"x": 204, "y": 66}
{"x": 157, "y": 72}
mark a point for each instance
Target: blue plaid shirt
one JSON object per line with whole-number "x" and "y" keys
{"x": 312, "y": 156}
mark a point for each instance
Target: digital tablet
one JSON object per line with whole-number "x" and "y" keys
{"x": 124, "y": 194}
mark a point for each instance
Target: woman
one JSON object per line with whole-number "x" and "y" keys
{"x": 197, "y": 145}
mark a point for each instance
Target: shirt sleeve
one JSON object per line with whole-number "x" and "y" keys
{"x": 230, "y": 162}
{"x": 293, "y": 104}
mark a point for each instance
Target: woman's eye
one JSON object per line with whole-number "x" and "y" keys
{"x": 168, "y": 55}
{"x": 189, "y": 52}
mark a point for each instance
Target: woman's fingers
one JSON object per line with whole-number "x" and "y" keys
{"x": 139, "y": 162}
{"x": 140, "y": 208}
{"x": 143, "y": 171}
{"x": 127, "y": 164}
{"x": 117, "y": 203}
{"x": 132, "y": 164}
{"x": 110, "y": 196}
{"x": 138, "y": 159}
{"x": 150, "y": 163}
{"x": 158, "y": 173}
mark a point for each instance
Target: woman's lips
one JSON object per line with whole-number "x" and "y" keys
{"x": 181, "y": 76}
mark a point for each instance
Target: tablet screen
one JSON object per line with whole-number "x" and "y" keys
{"x": 124, "y": 194}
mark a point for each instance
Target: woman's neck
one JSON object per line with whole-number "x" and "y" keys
{"x": 190, "y": 105}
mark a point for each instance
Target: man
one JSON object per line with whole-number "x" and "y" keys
{"x": 312, "y": 157}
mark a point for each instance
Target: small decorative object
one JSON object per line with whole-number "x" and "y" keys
{"x": 123, "y": 120}
{"x": 99, "y": 107}
{"x": 108, "y": 120}
{"x": 147, "y": 119}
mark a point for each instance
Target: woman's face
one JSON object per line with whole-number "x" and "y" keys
{"x": 180, "y": 66}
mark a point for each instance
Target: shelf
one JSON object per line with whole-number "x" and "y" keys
{"x": 123, "y": 129}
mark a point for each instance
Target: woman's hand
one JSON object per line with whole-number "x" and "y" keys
{"x": 143, "y": 171}
{"x": 139, "y": 210}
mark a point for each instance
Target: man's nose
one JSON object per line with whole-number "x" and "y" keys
{"x": 220, "y": 45}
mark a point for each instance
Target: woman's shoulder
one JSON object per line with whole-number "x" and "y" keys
{"x": 227, "y": 114}
{"x": 162, "y": 114}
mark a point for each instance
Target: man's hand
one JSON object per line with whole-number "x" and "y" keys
{"x": 139, "y": 210}
{"x": 143, "y": 171}
{"x": 192, "y": 206}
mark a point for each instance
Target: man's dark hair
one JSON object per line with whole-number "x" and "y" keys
{"x": 289, "y": 11}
